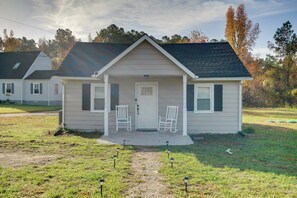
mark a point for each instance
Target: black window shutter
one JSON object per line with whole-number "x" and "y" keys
{"x": 12, "y": 88}
{"x": 3, "y": 88}
{"x": 114, "y": 96}
{"x": 190, "y": 97}
{"x": 40, "y": 88}
{"x": 218, "y": 98}
{"x": 31, "y": 85}
{"x": 86, "y": 96}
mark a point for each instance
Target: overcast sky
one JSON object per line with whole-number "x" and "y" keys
{"x": 155, "y": 17}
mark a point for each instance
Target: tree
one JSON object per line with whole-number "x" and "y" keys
{"x": 1, "y": 44}
{"x": 27, "y": 45}
{"x": 285, "y": 48}
{"x": 198, "y": 37}
{"x": 176, "y": 38}
{"x": 240, "y": 31}
{"x": 10, "y": 43}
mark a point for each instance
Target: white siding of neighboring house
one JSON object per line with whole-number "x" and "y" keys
{"x": 48, "y": 96}
{"x": 42, "y": 62}
{"x": 226, "y": 121}
{"x": 16, "y": 97}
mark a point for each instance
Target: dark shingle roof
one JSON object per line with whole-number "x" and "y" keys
{"x": 208, "y": 59}
{"x": 9, "y": 59}
{"x": 41, "y": 74}
{"x": 86, "y": 58}
{"x": 203, "y": 59}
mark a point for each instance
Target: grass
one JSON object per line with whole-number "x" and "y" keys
{"x": 79, "y": 161}
{"x": 263, "y": 163}
{"x": 18, "y": 108}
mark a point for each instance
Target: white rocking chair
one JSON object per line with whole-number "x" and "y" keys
{"x": 170, "y": 121}
{"x": 122, "y": 118}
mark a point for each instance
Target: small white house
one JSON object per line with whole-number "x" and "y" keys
{"x": 202, "y": 79}
{"x": 26, "y": 78}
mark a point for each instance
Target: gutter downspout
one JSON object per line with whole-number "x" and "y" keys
{"x": 22, "y": 83}
{"x": 48, "y": 101}
{"x": 240, "y": 107}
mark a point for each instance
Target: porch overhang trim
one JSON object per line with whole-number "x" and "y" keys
{"x": 153, "y": 43}
{"x": 75, "y": 78}
{"x": 223, "y": 78}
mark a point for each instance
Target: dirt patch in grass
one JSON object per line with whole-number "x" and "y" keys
{"x": 18, "y": 159}
{"x": 146, "y": 179}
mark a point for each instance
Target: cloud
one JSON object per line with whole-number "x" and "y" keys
{"x": 262, "y": 52}
{"x": 155, "y": 17}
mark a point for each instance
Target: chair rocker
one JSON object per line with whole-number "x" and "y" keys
{"x": 169, "y": 123}
{"x": 123, "y": 120}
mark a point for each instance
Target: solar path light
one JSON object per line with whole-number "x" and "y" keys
{"x": 186, "y": 180}
{"x": 101, "y": 182}
{"x": 168, "y": 153}
{"x": 118, "y": 150}
{"x": 114, "y": 161}
{"x": 124, "y": 143}
{"x": 171, "y": 161}
{"x": 167, "y": 143}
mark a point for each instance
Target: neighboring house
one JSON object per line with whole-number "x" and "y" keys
{"x": 26, "y": 78}
{"x": 203, "y": 79}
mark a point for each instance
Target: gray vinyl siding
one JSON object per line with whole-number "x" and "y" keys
{"x": 169, "y": 93}
{"x": 145, "y": 59}
{"x": 218, "y": 122}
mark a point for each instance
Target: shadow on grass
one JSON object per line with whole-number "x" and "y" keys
{"x": 267, "y": 150}
{"x": 89, "y": 135}
{"x": 277, "y": 114}
{"x": 17, "y": 108}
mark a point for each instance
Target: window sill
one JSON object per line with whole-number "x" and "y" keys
{"x": 203, "y": 112}
{"x": 97, "y": 111}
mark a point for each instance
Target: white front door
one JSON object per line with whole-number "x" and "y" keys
{"x": 146, "y": 107}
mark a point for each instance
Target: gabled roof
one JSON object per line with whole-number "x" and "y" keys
{"x": 206, "y": 60}
{"x": 41, "y": 74}
{"x": 10, "y": 60}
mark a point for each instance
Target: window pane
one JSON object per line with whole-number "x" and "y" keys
{"x": 98, "y": 104}
{"x": 36, "y": 88}
{"x": 203, "y": 104}
{"x": 8, "y": 88}
{"x": 99, "y": 92}
{"x": 203, "y": 92}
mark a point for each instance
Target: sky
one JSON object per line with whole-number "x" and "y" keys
{"x": 155, "y": 17}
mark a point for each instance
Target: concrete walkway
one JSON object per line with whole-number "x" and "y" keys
{"x": 145, "y": 138}
{"x": 49, "y": 113}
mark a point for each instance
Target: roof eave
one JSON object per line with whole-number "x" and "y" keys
{"x": 223, "y": 78}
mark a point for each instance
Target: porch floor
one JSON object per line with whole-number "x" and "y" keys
{"x": 145, "y": 138}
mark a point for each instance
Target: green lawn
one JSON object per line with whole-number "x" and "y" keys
{"x": 77, "y": 161}
{"x": 263, "y": 164}
{"x": 18, "y": 108}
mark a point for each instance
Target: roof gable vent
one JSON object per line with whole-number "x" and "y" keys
{"x": 16, "y": 66}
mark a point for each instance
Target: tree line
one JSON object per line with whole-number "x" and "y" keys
{"x": 274, "y": 77}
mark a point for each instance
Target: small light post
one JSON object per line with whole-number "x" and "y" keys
{"x": 168, "y": 153}
{"x": 167, "y": 143}
{"x": 101, "y": 182}
{"x": 124, "y": 143}
{"x": 114, "y": 161}
{"x": 118, "y": 150}
{"x": 186, "y": 180}
{"x": 171, "y": 161}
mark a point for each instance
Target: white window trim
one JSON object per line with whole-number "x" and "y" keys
{"x": 38, "y": 89}
{"x": 93, "y": 85}
{"x": 5, "y": 87}
{"x": 211, "y": 86}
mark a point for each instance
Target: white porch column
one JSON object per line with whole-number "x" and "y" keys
{"x": 106, "y": 104}
{"x": 185, "y": 116}
{"x": 240, "y": 107}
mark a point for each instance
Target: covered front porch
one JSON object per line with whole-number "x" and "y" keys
{"x": 138, "y": 138}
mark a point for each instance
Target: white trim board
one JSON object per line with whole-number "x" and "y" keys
{"x": 134, "y": 45}
{"x": 223, "y": 78}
